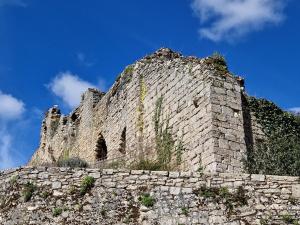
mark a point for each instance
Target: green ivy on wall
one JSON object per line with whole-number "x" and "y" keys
{"x": 163, "y": 136}
{"x": 279, "y": 153}
{"x": 165, "y": 144}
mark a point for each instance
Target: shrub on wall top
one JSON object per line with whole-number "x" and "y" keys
{"x": 72, "y": 162}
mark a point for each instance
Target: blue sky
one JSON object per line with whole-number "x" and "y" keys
{"x": 52, "y": 50}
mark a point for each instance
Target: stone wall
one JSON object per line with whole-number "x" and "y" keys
{"x": 143, "y": 197}
{"x": 227, "y": 124}
{"x": 253, "y": 130}
{"x": 200, "y": 107}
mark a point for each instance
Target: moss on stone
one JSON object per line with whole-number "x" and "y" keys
{"x": 28, "y": 190}
{"x": 86, "y": 185}
{"x": 279, "y": 152}
{"x": 57, "y": 211}
{"x": 147, "y": 200}
{"x": 218, "y": 62}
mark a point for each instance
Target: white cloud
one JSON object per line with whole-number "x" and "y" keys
{"x": 295, "y": 110}
{"x": 20, "y": 3}
{"x": 5, "y": 150}
{"x": 231, "y": 19}
{"x": 81, "y": 57}
{"x": 10, "y": 107}
{"x": 103, "y": 85}
{"x": 69, "y": 88}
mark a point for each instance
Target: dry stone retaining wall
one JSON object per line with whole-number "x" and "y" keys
{"x": 144, "y": 197}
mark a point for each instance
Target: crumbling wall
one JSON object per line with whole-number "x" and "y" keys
{"x": 144, "y": 197}
{"x": 66, "y": 136}
{"x": 199, "y": 109}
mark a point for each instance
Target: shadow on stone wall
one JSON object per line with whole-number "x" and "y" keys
{"x": 247, "y": 125}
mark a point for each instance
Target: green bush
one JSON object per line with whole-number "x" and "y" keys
{"x": 222, "y": 195}
{"x": 13, "y": 180}
{"x": 219, "y": 58}
{"x": 57, "y": 211}
{"x": 72, "y": 162}
{"x": 28, "y": 190}
{"x": 297, "y": 117}
{"x": 218, "y": 62}
{"x": 72, "y": 190}
{"x": 147, "y": 165}
{"x": 264, "y": 221}
{"x": 211, "y": 192}
{"x": 289, "y": 219}
{"x": 103, "y": 213}
{"x": 147, "y": 200}
{"x": 279, "y": 153}
{"x": 86, "y": 185}
{"x": 115, "y": 164}
{"x": 129, "y": 70}
{"x": 45, "y": 194}
{"x": 185, "y": 211}
{"x": 224, "y": 192}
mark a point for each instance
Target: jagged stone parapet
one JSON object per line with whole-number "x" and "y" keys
{"x": 59, "y": 132}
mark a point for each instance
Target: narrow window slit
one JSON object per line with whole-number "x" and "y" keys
{"x": 122, "y": 148}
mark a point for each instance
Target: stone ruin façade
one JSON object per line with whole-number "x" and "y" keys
{"x": 198, "y": 102}
{"x": 192, "y": 109}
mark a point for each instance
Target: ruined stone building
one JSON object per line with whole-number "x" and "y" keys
{"x": 186, "y": 110}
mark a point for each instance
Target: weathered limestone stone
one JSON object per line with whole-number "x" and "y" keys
{"x": 56, "y": 185}
{"x": 57, "y": 193}
{"x": 175, "y": 190}
{"x": 296, "y": 191}
{"x": 32, "y": 208}
{"x": 174, "y": 174}
{"x": 256, "y": 177}
{"x": 95, "y": 175}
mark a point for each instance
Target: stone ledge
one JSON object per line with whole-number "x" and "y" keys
{"x": 170, "y": 174}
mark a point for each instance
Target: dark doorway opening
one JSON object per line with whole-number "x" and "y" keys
{"x": 101, "y": 148}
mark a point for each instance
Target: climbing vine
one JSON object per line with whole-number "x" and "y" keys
{"x": 142, "y": 95}
{"x": 165, "y": 144}
{"x": 279, "y": 152}
{"x": 163, "y": 136}
{"x": 179, "y": 150}
{"x": 65, "y": 155}
{"x": 140, "y": 114}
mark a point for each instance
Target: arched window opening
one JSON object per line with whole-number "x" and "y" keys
{"x": 122, "y": 148}
{"x": 101, "y": 148}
